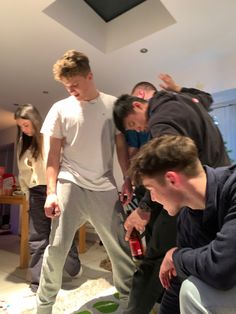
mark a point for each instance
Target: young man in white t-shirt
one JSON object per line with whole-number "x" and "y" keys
{"x": 80, "y": 182}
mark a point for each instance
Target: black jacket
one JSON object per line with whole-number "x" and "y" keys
{"x": 209, "y": 236}
{"x": 186, "y": 114}
{"x": 180, "y": 114}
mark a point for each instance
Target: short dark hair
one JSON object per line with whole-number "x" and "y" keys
{"x": 123, "y": 106}
{"x": 70, "y": 64}
{"x": 144, "y": 85}
{"x": 162, "y": 154}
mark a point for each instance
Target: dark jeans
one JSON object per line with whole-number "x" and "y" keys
{"x": 146, "y": 287}
{"x": 170, "y": 300}
{"x": 39, "y": 231}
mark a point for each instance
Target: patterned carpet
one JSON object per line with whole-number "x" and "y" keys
{"x": 106, "y": 303}
{"x": 92, "y": 297}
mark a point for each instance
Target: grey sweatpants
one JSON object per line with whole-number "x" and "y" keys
{"x": 39, "y": 232}
{"x": 196, "y": 297}
{"x": 102, "y": 210}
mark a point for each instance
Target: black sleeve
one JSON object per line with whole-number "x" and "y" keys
{"x": 172, "y": 118}
{"x": 168, "y": 127}
{"x": 214, "y": 263}
{"x": 204, "y": 98}
{"x": 147, "y": 205}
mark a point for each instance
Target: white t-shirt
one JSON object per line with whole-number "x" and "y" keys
{"x": 88, "y": 131}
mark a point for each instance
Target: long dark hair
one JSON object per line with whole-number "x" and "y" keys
{"x": 34, "y": 142}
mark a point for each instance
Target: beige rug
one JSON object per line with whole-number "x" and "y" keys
{"x": 94, "y": 296}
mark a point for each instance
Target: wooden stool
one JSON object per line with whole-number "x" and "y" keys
{"x": 81, "y": 234}
{"x": 24, "y": 216}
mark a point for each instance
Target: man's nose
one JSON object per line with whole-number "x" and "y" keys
{"x": 71, "y": 89}
{"x": 153, "y": 198}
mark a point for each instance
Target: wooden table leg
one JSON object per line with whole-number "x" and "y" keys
{"x": 24, "y": 252}
{"x": 82, "y": 239}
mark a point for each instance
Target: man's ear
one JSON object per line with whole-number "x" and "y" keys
{"x": 172, "y": 178}
{"x": 90, "y": 76}
{"x": 137, "y": 106}
{"x": 141, "y": 93}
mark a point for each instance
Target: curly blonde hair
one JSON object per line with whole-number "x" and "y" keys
{"x": 70, "y": 64}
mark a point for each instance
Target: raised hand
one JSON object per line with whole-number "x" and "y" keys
{"x": 168, "y": 83}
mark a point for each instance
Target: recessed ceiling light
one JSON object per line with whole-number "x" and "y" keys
{"x": 143, "y": 50}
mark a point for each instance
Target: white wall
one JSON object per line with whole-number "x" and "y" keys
{"x": 215, "y": 74}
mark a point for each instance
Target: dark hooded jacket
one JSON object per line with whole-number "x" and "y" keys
{"x": 186, "y": 113}
{"x": 207, "y": 239}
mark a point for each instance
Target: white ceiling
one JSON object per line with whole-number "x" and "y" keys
{"x": 198, "y": 47}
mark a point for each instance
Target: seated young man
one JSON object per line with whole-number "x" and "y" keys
{"x": 201, "y": 269}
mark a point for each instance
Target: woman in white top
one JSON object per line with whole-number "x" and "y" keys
{"x": 32, "y": 158}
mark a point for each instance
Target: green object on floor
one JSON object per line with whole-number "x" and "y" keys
{"x": 116, "y": 295}
{"x": 106, "y": 306}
